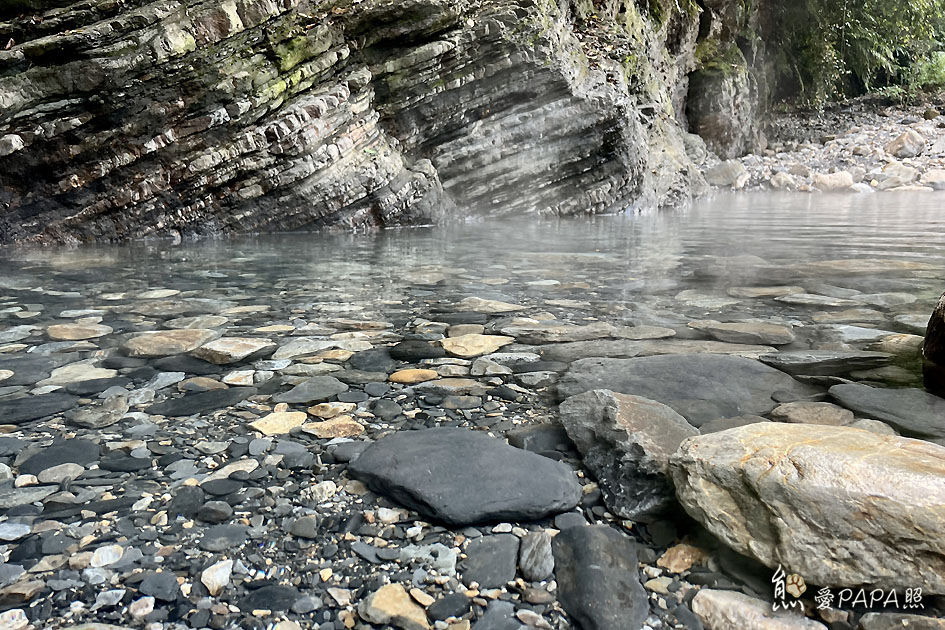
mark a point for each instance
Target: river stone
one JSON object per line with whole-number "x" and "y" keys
{"x": 337, "y": 427}
{"x": 391, "y": 604}
{"x": 198, "y": 321}
{"x": 18, "y": 410}
{"x": 626, "y": 441}
{"x": 899, "y": 621}
{"x": 71, "y": 451}
{"x": 700, "y": 387}
{"x": 14, "y": 497}
{"x": 481, "y": 305}
{"x": 76, "y": 332}
{"x": 812, "y": 299}
{"x": 201, "y": 402}
{"x": 431, "y": 471}
{"x": 270, "y": 597}
{"x": 226, "y": 350}
{"x": 745, "y": 332}
{"x": 803, "y": 412}
{"x": 164, "y": 343}
{"x": 160, "y": 585}
{"x": 598, "y": 579}
{"x": 469, "y": 346}
{"x": 554, "y": 332}
{"x": 314, "y": 390}
{"x": 912, "y": 412}
{"x": 908, "y": 144}
{"x": 30, "y": 369}
{"x": 840, "y": 506}
{"x": 730, "y": 610}
{"x": 490, "y": 561}
{"x": 279, "y": 422}
{"x": 77, "y": 372}
{"x": 535, "y": 558}
{"x": 606, "y": 348}
{"x": 825, "y": 362}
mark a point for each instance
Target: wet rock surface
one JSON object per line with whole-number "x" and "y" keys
{"x": 273, "y": 104}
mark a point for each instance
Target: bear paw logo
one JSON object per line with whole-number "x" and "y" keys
{"x": 796, "y": 585}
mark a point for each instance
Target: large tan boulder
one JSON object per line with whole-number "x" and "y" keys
{"x": 840, "y": 506}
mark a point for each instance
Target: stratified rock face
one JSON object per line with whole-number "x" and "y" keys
{"x": 837, "y": 505}
{"x": 165, "y": 117}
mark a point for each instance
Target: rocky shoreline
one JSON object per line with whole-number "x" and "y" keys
{"x": 201, "y": 458}
{"x": 856, "y": 147}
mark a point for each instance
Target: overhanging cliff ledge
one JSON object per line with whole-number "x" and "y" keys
{"x": 129, "y": 118}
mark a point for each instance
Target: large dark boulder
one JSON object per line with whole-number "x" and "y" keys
{"x": 460, "y": 477}
{"x": 933, "y": 350}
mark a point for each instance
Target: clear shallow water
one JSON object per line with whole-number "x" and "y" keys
{"x": 624, "y": 269}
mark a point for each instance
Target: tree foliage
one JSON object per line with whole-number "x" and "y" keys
{"x": 822, "y": 49}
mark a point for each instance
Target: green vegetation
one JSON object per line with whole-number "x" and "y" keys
{"x": 824, "y": 49}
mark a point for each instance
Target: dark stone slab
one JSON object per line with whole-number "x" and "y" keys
{"x": 17, "y": 410}
{"x": 315, "y": 390}
{"x": 187, "y": 364}
{"x": 201, "y": 402}
{"x": 825, "y": 362}
{"x": 490, "y": 561}
{"x": 271, "y": 597}
{"x": 415, "y": 349}
{"x": 598, "y": 579}
{"x": 73, "y": 451}
{"x": 461, "y": 477}
{"x": 96, "y": 385}
{"x": 28, "y": 370}
{"x": 700, "y": 387}
{"x": 913, "y": 412}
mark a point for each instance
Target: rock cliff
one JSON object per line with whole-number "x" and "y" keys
{"x": 131, "y": 118}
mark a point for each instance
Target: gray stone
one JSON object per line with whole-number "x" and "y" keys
{"x": 700, "y": 387}
{"x": 598, "y": 579}
{"x": 912, "y": 412}
{"x": 490, "y": 561}
{"x": 898, "y": 621}
{"x": 535, "y": 559}
{"x": 825, "y": 362}
{"x": 314, "y": 390}
{"x": 431, "y": 471}
{"x": 626, "y": 441}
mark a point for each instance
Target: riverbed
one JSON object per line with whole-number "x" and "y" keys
{"x": 179, "y": 419}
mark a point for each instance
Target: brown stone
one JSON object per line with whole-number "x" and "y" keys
{"x": 339, "y": 426}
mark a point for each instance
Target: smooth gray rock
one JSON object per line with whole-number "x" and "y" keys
{"x": 912, "y": 412}
{"x": 825, "y": 362}
{"x": 626, "y": 441}
{"x": 490, "y": 561}
{"x": 598, "y": 579}
{"x": 700, "y": 387}
{"x": 18, "y": 410}
{"x": 201, "y": 402}
{"x": 535, "y": 558}
{"x": 314, "y": 390}
{"x": 461, "y": 477}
